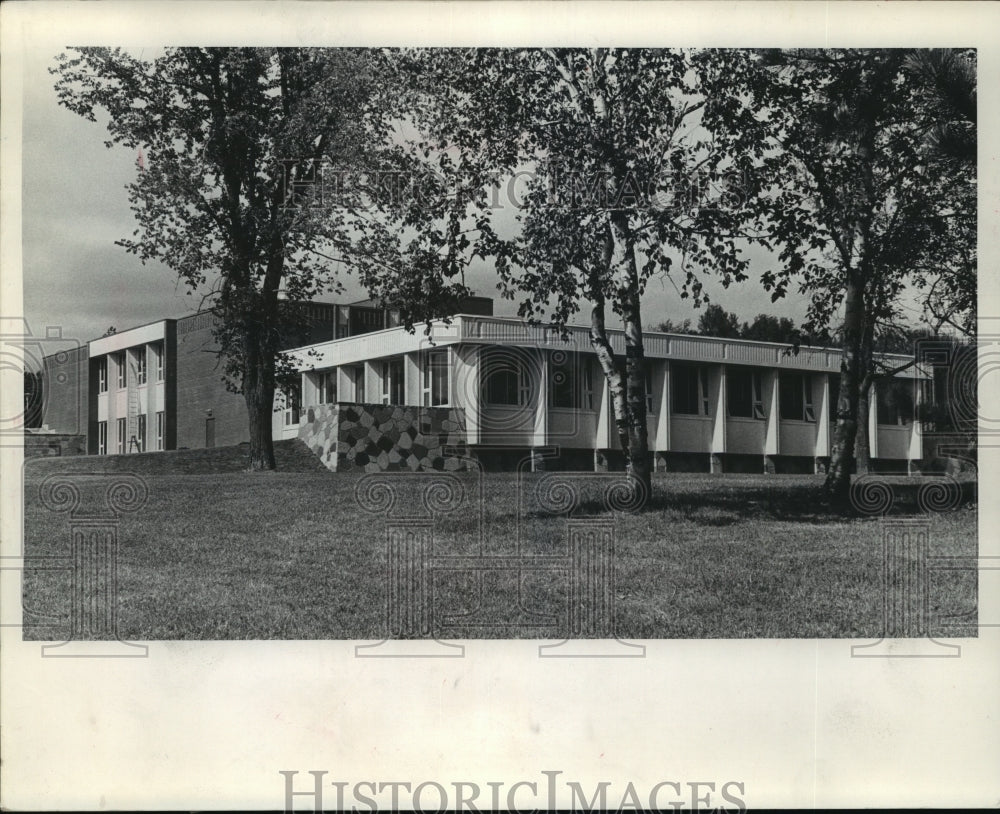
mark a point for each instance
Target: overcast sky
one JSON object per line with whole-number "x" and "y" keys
{"x": 75, "y": 207}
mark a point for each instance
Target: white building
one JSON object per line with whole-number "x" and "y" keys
{"x": 713, "y": 404}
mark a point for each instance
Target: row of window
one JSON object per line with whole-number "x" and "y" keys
{"x": 139, "y": 361}
{"x": 138, "y": 442}
{"x": 506, "y": 382}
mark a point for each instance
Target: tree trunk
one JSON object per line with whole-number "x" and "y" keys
{"x": 258, "y": 393}
{"x": 606, "y": 357}
{"x": 635, "y": 362}
{"x": 838, "y": 479}
{"x": 260, "y": 408}
{"x": 635, "y": 373}
{"x": 862, "y": 443}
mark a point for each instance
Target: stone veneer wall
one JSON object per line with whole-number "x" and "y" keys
{"x": 39, "y": 444}
{"x": 380, "y": 438}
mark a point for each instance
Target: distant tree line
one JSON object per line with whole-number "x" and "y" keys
{"x": 717, "y": 321}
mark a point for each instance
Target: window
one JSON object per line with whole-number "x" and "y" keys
{"x": 140, "y": 366}
{"x": 588, "y": 385}
{"x": 157, "y": 351}
{"x": 435, "y": 378}
{"x": 357, "y": 374}
{"x": 102, "y": 378}
{"x": 122, "y": 429}
{"x": 894, "y": 401}
{"x": 689, "y": 389}
{"x": 142, "y": 433}
{"x": 506, "y": 379}
{"x": 562, "y": 377}
{"x": 795, "y": 397}
{"x": 650, "y": 404}
{"x": 292, "y": 401}
{"x": 366, "y": 320}
{"x": 392, "y": 382}
{"x": 328, "y": 387}
{"x": 120, "y": 366}
{"x": 102, "y": 435}
{"x": 744, "y": 393}
{"x": 161, "y": 421}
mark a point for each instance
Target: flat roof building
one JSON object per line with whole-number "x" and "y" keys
{"x": 373, "y": 396}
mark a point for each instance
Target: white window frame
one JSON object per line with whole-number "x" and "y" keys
{"x": 102, "y": 375}
{"x": 141, "y": 431}
{"x": 291, "y": 399}
{"x": 121, "y": 370}
{"x": 102, "y": 437}
{"x": 706, "y": 404}
{"x": 386, "y": 375}
{"x": 161, "y": 421}
{"x": 757, "y": 394}
{"x": 358, "y": 380}
{"x": 808, "y": 411}
{"x": 523, "y": 386}
{"x": 326, "y": 379}
{"x": 808, "y": 414}
{"x": 141, "y": 366}
{"x": 427, "y": 377}
{"x": 157, "y": 349}
{"x": 650, "y": 402}
{"x": 121, "y": 432}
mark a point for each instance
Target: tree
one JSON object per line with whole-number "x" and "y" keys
{"x": 947, "y": 84}
{"x": 635, "y": 163}
{"x": 768, "y": 328}
{"x": 668, "y": 326}
{"x": 717, "y": 321}
{"x": 231, "y": 138}
{"x": 851, "y": 204}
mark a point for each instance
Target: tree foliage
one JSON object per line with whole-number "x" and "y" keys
{"x": 852, "y": 202}
{"x": 634, "y": 162}
{"x": 230, "y": 139}
{"x": 717, "y": 321}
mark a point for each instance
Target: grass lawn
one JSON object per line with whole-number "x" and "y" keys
{"x": 290, "y": 555}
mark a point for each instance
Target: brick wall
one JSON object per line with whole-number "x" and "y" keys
{"x": 200, "y": 388}
{"x": 64, "y": 391}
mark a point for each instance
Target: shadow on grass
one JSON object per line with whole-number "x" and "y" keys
{"x": 803, "y": 502}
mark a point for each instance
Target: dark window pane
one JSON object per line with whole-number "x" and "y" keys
{"x": 739, "y": 392}
{"x": 685, "y": 389}
{"x": 564, "y": 383}
{"x": 790, "y": 400}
